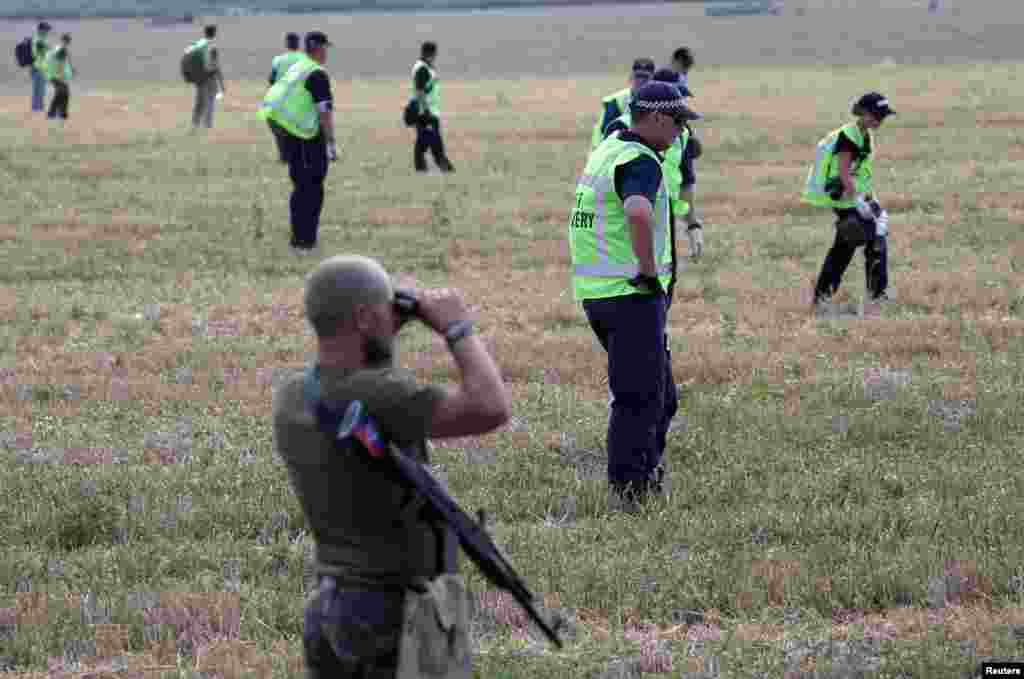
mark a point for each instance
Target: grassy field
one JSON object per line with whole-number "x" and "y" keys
{"x": 846, "y": 491}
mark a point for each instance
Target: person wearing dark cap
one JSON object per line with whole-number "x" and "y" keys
{"x": 278, "y": 67}
{"x": 621, "y": 246}
{"x": 210, "y": 83}
{"x": 617, "y": 103}
{"x": 300, "y": 110}
{"x": 674, "y": 167}
{"x": 38, "y": 69}
{"x": 380, "y": 557}
{"x": 60, "y": 71}
{"x": 841, "y": 178}
{"x": 428, "y": 95}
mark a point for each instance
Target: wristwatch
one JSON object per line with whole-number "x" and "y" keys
{"x": 457, "y": 331}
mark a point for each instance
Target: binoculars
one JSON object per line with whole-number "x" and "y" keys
{"x": 406, "y": 305}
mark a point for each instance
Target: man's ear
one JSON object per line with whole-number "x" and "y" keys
{"x": 362, "y": 318}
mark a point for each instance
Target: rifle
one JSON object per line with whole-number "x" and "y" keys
{"x": 356, "y": 426}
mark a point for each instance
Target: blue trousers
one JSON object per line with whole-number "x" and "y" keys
{"x": 38, "y": 89}
{"x": 428, "y": 137}
{"x": 631, "y": 328}
{"x": 307, "y": 167}
{"x": 352, "y": 633}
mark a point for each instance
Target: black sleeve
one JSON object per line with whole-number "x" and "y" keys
{"x": 611, "y": 112}
{"x": 422, "y": 77}
{"x": 319, "y": 85}
{"x": 686, "y": 167}
{"x": 273, "y": 76}
{"x": 845, "y": 144}
{"x": 615, "y": 125}
{"x": 639, "y": 177}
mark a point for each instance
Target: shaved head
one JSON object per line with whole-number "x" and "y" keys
{"x": 338, "y": 285}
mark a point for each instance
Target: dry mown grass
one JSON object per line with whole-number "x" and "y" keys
{"x": 742, "y": 338}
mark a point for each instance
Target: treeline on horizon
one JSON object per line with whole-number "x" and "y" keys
{"x": 184, "y": 10}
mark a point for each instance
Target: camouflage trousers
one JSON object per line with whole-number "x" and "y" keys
{"x": 358, "y": 633}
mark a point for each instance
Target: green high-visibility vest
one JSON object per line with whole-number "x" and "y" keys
{"x": 58, "y": 69}
{"x": 282, "y": 62}
{"x": 289, "y": 104}
{"x": 432, "y": 88}
{"x": 824, "y": 174}
{"x": 40, "y": 50}
{"x": 671, "y": 168}
{"x": 600, "y": 240}
{"x": 621, "y": 99}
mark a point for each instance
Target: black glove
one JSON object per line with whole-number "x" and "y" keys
{"x": 650, "y": 282}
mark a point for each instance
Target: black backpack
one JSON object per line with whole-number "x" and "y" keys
{"x": 23, "y": 53}
{"x": 192, "y": 68}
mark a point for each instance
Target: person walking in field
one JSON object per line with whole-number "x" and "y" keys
{"x": 300, "y": 109}
{"x": 682, "y": 62}
{"x": 428, "y": 127}
{"x": 622, "y": 253}
{"x": 60, "y": 71}
{"x": 208, "y": 78}
{"x": 37, "y": 70}
{"x": 617, "y": 103}
{"x": 678, "y": 172}
{"x": 390, "y": 603}
{"x": 841, "y": 178}
{"x": 278, "y": 67}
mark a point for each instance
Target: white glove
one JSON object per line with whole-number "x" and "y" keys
{"x": 863, "y": 207}
{"x": 882, "y": 224}
{"x": 696, "y": 237}
{"x": 332, "y": 152}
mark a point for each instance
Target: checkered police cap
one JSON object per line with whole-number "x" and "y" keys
{"x": 662, "y": 97}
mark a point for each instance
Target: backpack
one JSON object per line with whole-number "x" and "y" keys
{"x": 411, "y": 113}
{"x": 192, "y": 68}
{"x": 23, "y": 53}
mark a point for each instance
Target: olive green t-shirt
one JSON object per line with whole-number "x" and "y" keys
{"x": 353, "y": 506}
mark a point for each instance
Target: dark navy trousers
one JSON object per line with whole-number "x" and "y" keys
{"x": 307, "y": 167}
{"x": 352, "y": 633}
{"x": 631, "y": 328}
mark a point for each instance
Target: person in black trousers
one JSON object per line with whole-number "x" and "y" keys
{"x": 428, "y": 128}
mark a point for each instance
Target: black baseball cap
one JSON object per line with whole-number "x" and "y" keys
{"x": 876, "y": 104}
{"x": 662, "y": 97}
{"x": 44, "y": 27}
{"x": 317, "y": 39}
{"x": 643, "y": 67}
{"x": 667, "y": 75}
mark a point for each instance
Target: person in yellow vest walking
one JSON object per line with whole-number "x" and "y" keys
{"x": 617, "y": 103}
{"x": 278, "y": 67}
{"x": 38, "y": 68}
{"x": 211, "y": 81}
{"x": 300, "y": 105}
{"x": 675, "y": 167}
{"x": 428, "y": 128}
{"x": 622, "y": 251}
{"x": 841, "y": 178}
{"x": 60, "y": 71}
